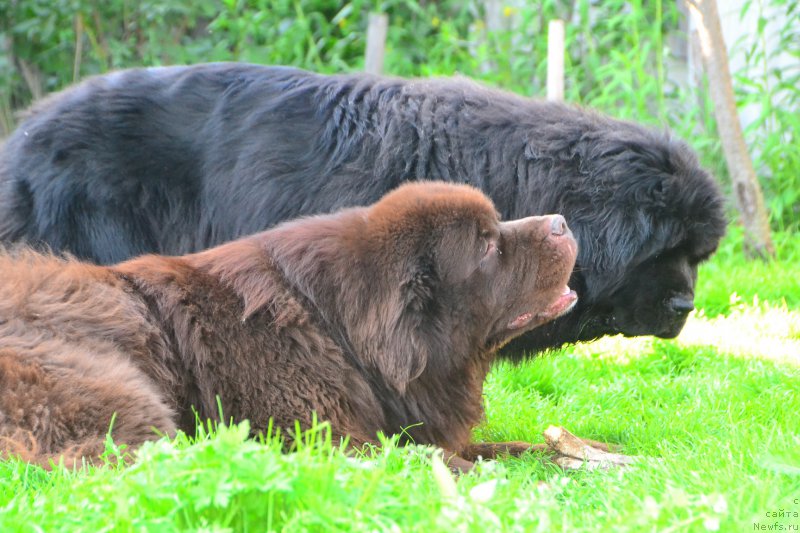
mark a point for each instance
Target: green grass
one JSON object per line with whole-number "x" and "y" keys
{"x": 729, "y": 279}
{"x": 716, "y": 410}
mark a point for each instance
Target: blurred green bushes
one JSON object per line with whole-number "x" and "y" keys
{"x": 619, "y": 57}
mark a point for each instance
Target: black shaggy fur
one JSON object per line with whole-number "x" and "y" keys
{"x": 176, "y": 159}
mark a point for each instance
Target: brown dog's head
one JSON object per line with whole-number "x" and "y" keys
{"x": 444, "y": 281}
{"x": 425, "y": 280}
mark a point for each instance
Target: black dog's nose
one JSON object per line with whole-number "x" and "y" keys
{"x": 681, "y": 304}
{"x": 558, "y": 226}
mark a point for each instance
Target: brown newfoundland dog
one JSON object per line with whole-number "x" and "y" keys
{"x": 383, "y": 318}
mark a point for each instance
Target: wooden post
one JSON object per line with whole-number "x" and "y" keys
{"x": 555, "y": 60}
{"x": 494, "y": 14}
{"x": 376, "y": 43}
{"x": 747, "y": 190}
{"x": 76, "y": 64}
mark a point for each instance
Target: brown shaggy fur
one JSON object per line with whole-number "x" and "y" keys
{"x": 375, "y": 318}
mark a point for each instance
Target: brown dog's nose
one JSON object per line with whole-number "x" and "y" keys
{"x": 558, "y": 226}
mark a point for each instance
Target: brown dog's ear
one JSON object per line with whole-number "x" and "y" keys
{"x": 408, "y": 341}
{"x": 417, "y": 289}
{"x": 406, "y": 359}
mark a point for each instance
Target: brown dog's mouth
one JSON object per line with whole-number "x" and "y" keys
{"x": 565, "y": 302}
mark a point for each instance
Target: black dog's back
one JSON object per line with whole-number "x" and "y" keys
{"x": 110, "y": 169}
{"x": 98, "y": 169}
{"x": 173, "y": 160}
{"x": 177, "y": 159}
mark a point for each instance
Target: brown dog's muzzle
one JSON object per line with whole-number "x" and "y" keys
{"x": 541, "y": 228}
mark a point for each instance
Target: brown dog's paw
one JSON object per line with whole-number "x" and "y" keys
{"x": 493, "y": 450}
{"x": 561, "y": 447}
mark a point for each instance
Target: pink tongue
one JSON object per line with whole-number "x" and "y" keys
{"x": 555, "y": 307}
{"x": 566, "y": 297}
{"x": 520, "y": 321}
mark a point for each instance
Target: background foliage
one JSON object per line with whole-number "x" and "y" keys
{"x": 717, "y": 407}
{"x": 620, "y": 57}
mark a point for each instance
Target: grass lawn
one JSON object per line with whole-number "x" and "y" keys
{"x": 717, "y": 410}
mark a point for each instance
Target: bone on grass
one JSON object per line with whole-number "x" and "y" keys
{"x": 573, "y": 453}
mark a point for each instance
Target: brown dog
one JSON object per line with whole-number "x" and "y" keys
{"x": 376, "y": 319}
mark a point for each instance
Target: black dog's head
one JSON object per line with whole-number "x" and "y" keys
{"x": 677, "y": 212}
{"x": 645, "y": 216}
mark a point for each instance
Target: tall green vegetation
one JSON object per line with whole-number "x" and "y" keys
{"x": 619, "y": 56}
{"x": 774, "y": 87}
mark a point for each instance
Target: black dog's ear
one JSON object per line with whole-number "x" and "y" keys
{"x": 652, "y": 191}
{"x": 652, "y": 166}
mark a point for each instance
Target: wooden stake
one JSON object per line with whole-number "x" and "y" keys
{"x": 555, "y": 60}
{"x": 747, "y": 191}
{"x": 376, "y": 43}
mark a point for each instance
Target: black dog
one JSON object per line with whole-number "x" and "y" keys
{"x": 177, "y": 159}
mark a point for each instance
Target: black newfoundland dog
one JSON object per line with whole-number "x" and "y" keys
{"x": 177, "y": 159}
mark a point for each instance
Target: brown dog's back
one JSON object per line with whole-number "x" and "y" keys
{"x": 152, "y": 343}
{"x": 68, "y": 334}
